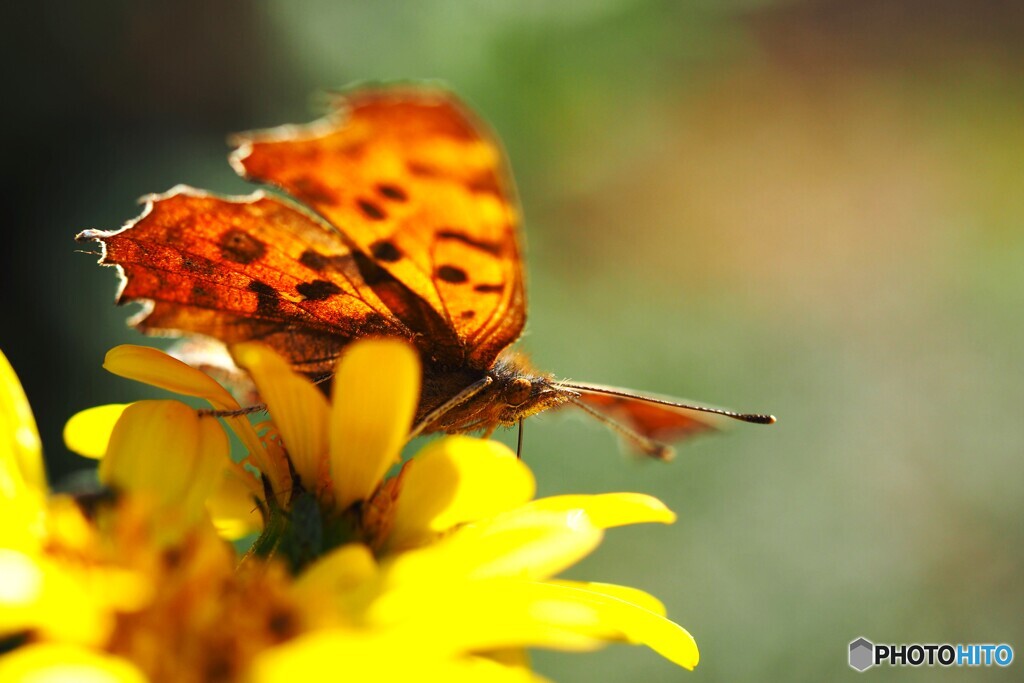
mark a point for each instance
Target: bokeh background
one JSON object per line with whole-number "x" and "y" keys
{"x": 811, "y": 208}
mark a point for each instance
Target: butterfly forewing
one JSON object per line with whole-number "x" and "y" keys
{"x": 418, "y": 185}
{"x": 238, "y": 269}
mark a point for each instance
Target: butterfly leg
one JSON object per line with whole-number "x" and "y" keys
{"x": 459, "y": 398}
{"x": 247, "y": 410}
{"x": 519, "y": 441}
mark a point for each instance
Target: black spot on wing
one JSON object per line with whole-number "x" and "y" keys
{"x": 488, "y": 246}
{"x": 371, "y": 210}
{"x": 267, "y": 300}
{"x": 485, "y": 183}
{"x": 488, "y": 288}
{"x": 452, "y": 274}
{"x": 241, "y": 247}
{"x": 314, "y": 260}
{"x": 392, "y": 192}
{"x": 467, "y": 315}
{"x": 385, "y": 250}
{"x": 317, "y": 290}
{"x": 372, "y": 273}
{"x": 422, "y": 170}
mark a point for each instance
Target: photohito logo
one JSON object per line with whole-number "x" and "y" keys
{"x": 864, "y": 654}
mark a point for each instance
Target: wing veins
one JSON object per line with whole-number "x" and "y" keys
{"x": 226, "y": 265}
{"x": 327, "y": 325}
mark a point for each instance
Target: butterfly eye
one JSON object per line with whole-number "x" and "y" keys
{"x": 519, "y": 390}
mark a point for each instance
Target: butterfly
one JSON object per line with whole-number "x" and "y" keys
{"x": 401, "y": 220}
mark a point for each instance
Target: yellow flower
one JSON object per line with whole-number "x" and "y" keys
{"x": 345, "y": 448}
{"x": 500, "y": 560}
{"x": 334, "y": 455}
{"x": 459, "y": 536}
{"x": 103, "y": 592}
{"x": 21, "y": 454}
{"x": 449, "y": 561}
{"x": 51, "y": 663}
{"x": 51, "y": 587}
{"x": 234, "y": 488}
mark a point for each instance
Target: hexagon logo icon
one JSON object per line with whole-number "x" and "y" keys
{"x": 862, "y": 654}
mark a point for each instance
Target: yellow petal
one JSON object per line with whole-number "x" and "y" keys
{"x": 299, "y": 410}
{"x": 376, "y": 390}
{"x": 336, "y": 589}
{"x": 232, "y": 504}
{"x": 54, "y": 600}
{"x": 211, "y": 457}
{"x": 387, "y": 657}
{"x": 52, "y": 663}
{"x": 474, "y": 669}
{"x": 88, "y": 432}
{"x": 164, "y": 450}
{"x": 21, "y": 453}
{"x": 365, "y": 658}
{"x": 455, "y": 480}
{"x": 522, "y": 544}
{"x": 275, "y": 469}
{"x": 625, "y": 593}
{"x": 562, "y": 615}
{"x": 632, "y": 623}
{"x": 486, "y": 615}
{"x": 154, "y": 367}
{"x": 68, "y": 527}
{"x": 21, "y": 585}
{"x": 607, "y": 510}
{"x": 147, "y": 441}
{"x": 24, "y": 516}
{"x": 342, "y": 569}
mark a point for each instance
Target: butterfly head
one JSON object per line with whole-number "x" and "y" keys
{"x": 520, "y": 396}
{"x": 518, "y": 391}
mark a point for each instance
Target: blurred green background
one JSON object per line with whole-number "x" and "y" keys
{"x": 808, "y": 208}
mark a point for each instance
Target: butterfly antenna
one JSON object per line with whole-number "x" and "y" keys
{"x": 519, "y": 441}
{"x": 755, "y": 418}
{"x": 648, "y": 446}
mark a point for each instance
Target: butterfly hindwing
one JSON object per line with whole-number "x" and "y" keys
{"x": 654, "y": 418}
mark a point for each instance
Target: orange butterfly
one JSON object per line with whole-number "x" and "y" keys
{"x": 407, "y": 227}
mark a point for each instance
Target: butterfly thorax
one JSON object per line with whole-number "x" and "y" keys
{"x": 499, "y": 396}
